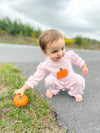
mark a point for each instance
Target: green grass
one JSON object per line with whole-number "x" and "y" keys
{"x": 36, "y": 117}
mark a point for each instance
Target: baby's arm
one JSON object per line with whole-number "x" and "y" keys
{"x": 76, "y": 59}
{"x": 79, "y": 61}
{"x": 32, "y": 80}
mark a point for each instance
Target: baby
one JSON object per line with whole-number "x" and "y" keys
{"x": 52, "y": 45}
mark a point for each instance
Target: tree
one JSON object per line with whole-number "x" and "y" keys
{"x": 78, "y": 40}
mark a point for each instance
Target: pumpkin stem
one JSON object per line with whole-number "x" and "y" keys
{"x": 61, "y": 69}
{"x": 20, "y": 97}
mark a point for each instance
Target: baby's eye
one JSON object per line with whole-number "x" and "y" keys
{"x": 54, "y": 51}
{"x": 62, "y": 48}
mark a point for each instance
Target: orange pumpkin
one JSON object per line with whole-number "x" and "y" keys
{"x": 62, "y": 73}
{"x": 20, "y": 101}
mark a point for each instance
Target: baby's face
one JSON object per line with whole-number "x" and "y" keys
{"x": 56, "y": 50}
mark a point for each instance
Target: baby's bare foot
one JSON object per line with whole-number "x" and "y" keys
{"x": 49, "y": 95}
{"x": 78, "y": 99}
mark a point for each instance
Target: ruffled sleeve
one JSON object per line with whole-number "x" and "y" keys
{"x": 75, "y": 59}
{"x": 34, "y": 79}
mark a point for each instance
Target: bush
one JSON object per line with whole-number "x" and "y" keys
{"x": 78, "y": 40}
{"x": 17, "y": 28}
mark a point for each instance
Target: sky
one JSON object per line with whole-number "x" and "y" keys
{"x": 71, "y": 17}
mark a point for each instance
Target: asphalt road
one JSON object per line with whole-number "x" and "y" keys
{"x": 83, "y": 117}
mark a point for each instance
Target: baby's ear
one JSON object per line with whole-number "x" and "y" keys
{"x": 44, "y": 52}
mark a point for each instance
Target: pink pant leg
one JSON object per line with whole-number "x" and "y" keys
{"x": 52, "y": 84}
{"x": 76, "y": 85}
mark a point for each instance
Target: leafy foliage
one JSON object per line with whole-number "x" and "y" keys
{"x": 69, "y": 41}
{"x": 78, "y": 40}
{"x": 15, "y": 31}
{"x": 17, "y": 28}
{"x": 85, "y": 41}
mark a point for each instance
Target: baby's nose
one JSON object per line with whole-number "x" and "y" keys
{"x": 59, "y": 53}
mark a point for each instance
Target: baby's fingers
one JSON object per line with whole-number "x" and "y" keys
{"x": 21, "y": 94}
{"x": 85, "y": 73}
{"x": 16, "y": 92}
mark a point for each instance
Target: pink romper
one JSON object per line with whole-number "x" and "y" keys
{"x": 74, "y": 82}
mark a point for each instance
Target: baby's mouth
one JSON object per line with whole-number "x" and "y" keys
{"x": 59, "y": 57}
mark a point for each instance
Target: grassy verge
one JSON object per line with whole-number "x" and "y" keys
{"x": 36, "y": 117}
{"x": 18, "y": 40}
{"x": 31, "y": 41}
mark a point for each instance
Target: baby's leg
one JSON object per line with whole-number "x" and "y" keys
{"x": 51, "y": 84}
{"x": 77, "y": 85}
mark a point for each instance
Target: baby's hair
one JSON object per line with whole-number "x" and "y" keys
{"x": 48, "y": 37}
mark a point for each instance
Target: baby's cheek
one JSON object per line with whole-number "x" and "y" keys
{"x": 53, "y": 56}
{"x": 63, "y": 53}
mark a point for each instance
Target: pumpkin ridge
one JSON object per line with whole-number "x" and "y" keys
{"x": 20, "y": 101}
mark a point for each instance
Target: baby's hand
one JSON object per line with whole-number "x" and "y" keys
{"x": 22, "y": 90}
{"x": 84, "y": 70}
{"x": 19, "y": 91}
